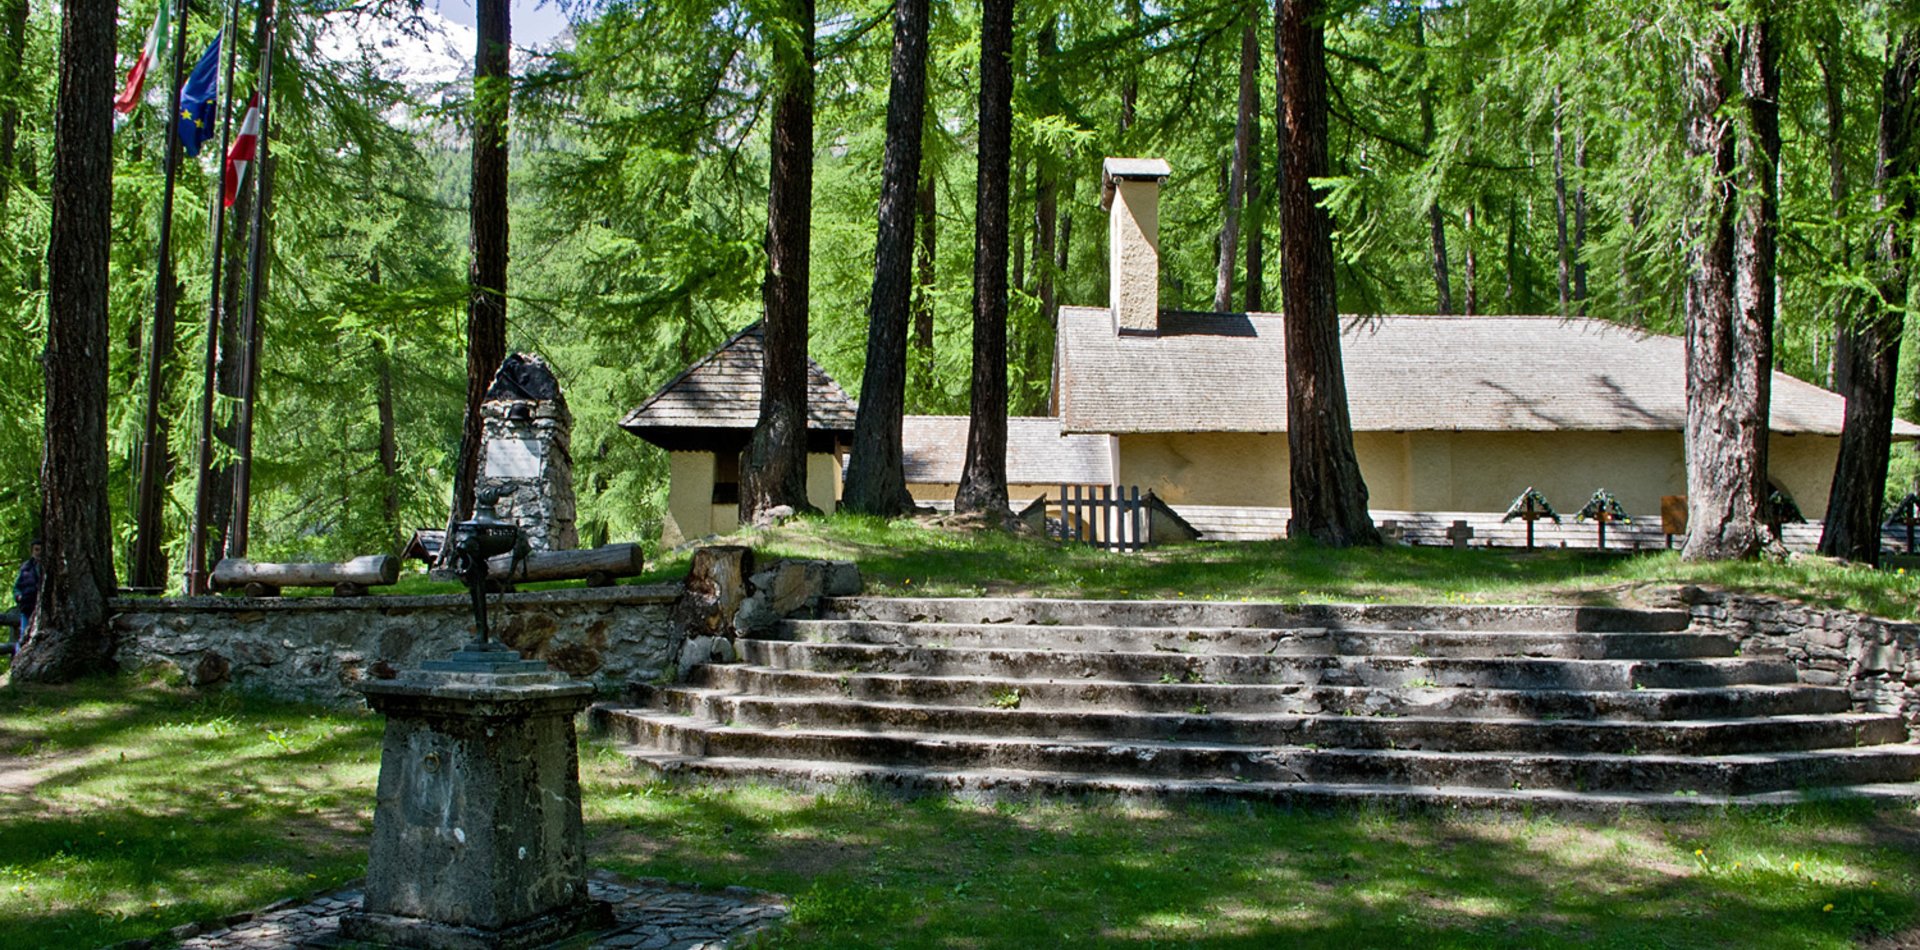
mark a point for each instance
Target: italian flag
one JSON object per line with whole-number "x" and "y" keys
{"x": 240, "y": 155}
{"x": 129, "y": 97}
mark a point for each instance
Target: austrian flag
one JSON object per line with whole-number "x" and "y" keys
{"x": 242, "y": 152}
{"x": 156, "y": 46}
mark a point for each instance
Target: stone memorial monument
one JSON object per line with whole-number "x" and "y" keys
{"x": 477, "y": 837}
{"x": 526, "y": 454}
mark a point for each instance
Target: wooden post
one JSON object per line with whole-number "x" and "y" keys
{"x": 1460, "y": 532}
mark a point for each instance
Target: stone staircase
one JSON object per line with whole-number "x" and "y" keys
{"x": 1565, "y": 708}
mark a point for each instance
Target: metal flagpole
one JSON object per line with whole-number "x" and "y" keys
{"x": 147, "y": 571}
{"x": 197, "y": 540}
{"x": 250, "y": 316}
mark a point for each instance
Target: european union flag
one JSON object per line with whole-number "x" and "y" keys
{"x": 196, "y": 100}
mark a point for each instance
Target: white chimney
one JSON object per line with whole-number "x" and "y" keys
{"x": 1130, "y": 191}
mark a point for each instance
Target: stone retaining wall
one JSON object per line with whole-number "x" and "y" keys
{"x": 1878, "y": 661}
{"x": 316, "y": 648}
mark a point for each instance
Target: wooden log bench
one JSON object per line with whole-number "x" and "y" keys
{"x": 599, "y": 567}
{"x": 347, "y": 578}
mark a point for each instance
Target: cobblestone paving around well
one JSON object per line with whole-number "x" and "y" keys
{"x": 649, "y": 915}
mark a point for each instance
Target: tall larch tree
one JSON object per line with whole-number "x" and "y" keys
{"x": 487, "y": 270}
{"x": 983, "y": 480}
{"x": 1726, "y": 426}
{"x": 68, "y": 637}
{"x": 1329, "y": 494}
{"x": 876, "y": 477}
{"x": 773, "y": 473}
{"x": 1854, "y": 504}
{"x": 1245, "y": 140}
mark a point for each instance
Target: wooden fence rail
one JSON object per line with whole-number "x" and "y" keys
{"x": 1103, "y": 517}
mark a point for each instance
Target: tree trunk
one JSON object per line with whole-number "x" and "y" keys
{"x": 1017, "y": 243}
{"x": 1560, "y": 207}
{"x": 876, "y": 478}
{"x": 487, "y": 270}
{"x": 1580, "y": 220}
{"x": 983, "y": 481}
{"x": 773, "y": 473}
{"x": 155, "y": 472}
{"x": 1854, "y": 504}
{"x": 389, "y": 444}
{"x": 1470, "y": 262}
{"x": 1723, "y": 433}
{"x": 1046, "y": 186}
{"x": 1515, "y": 297}
{"x": 1256, "y": 213}
{"x": 1063, "y": 245}
{"x": 1046, "y": 219}
{"x": 928, "y": 231}
{"x": 1279, "y": 138}
{"x": 1130, "y": 87}
{"x": 1329, "y": 495}
{"x": 1756, "y": 253}
{"x": 13, "y": 29}
{"x": 1832, "y": 67}
{"x": 228, "y": 368}
{"x": 68, "y": 636}
{"x": 148, "y": 568}
{"x": 1244, "y": 126}
{"x": 1436, "y": 219}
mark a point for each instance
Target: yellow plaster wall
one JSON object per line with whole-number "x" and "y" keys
{"x": 1485, "y": 471}
{"x": 689, "y": 497}
{"x": 1386, "y": 466}
{"x": 1803, "y": 465}
{"x": 1207, "y": 468}
{"x": 823, "y": 481}
{"x": 1419, "y": 471}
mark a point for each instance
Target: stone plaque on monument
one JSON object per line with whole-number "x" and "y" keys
{"x": 513, "y": 458}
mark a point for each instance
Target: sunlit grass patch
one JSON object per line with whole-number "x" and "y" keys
{"x": 912, "y": 557}
{"x": 140, "y": 807}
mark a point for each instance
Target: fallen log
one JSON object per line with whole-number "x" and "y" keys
{"x": 347, "y": 578}
{"x": 599, "y": 566}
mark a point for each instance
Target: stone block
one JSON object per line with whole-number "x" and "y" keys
{"x": 843, "y": 579}
{"x": 755, "y": 616}
{"x": 795, "y": 586}
{"x": 1884, "y": 658}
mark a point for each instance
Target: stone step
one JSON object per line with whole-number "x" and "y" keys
{"x": 1190, "y": 613}
{"x": 1286, "y": 699}
{"x": 1009, "y": 785}
{"x": 1506, "y": 673}
{"x": 1285, "y": 641}
{"x": 1446, "y": 734}
{"x": 1737, "y": 774}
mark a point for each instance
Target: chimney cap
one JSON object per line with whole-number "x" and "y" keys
{"x": 1130, "y": 169}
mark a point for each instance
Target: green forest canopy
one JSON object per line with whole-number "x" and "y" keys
{"x": 639, "y": 205}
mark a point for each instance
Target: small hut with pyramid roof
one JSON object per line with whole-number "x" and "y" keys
{"x": 704, "y": 417}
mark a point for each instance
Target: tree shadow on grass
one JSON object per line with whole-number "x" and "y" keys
{"x": 869, "y": 871}
{"x": 163, "y": 807}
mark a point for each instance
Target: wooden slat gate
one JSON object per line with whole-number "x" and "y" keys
{"x": 1105, "y": 518}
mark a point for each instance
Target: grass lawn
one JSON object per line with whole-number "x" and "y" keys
{"x": 912, "y": 557}
{"x": 129, "y": 807}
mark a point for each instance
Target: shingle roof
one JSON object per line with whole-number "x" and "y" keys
{"x": 935, "y": 450}
{"x": 722, "y": 393}
{"x": 1217, "y": 372}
